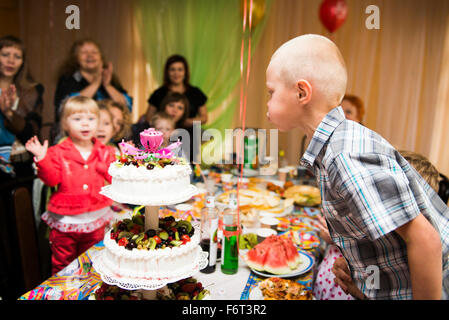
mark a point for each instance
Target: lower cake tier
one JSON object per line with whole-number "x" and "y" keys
{"x": 148, "y": 264}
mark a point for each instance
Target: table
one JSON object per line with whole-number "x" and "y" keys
{"x": 79, "y": 280}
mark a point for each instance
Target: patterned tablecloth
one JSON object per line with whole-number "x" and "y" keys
{"x": 300, "y": 225}
{"x": 79, "y": 280}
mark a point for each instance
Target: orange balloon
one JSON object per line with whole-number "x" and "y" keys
{"x": 258, "y": 11}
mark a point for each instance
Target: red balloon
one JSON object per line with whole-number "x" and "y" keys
{"x": 333, "y": 14}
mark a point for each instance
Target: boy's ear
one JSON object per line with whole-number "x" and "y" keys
{"x": 304, "y": 90}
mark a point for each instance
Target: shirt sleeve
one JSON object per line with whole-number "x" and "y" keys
{"x": 129, "y": 101}
{"x": 376, "y": 191}
{"x": 49, "y": 168}
{"x": 106, "y": 156}
{"x": 200, "y": 98}
{"x": 156, "y": 97}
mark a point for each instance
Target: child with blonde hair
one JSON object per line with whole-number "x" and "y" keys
{"x": 76, "y": 212}
{"x": 164, "y": 123}
{"x": 105, "y": 130}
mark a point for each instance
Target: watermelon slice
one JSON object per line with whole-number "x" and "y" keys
{"x": 293, "y": 257}
{"x": 276, "y": 260}
{"x": 275, "y": 255}
{"x": 270, "y": 239}
{"x": 255, "y": 258}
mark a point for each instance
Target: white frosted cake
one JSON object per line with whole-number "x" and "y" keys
{"x": 120, "y": 262}
{"x": 149, "y": 176}
{"x": 137, "y": 184}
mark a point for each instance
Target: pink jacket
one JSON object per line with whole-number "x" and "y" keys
{"x": 79, "y": 182}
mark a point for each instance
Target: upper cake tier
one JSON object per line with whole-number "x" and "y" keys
{"x": 149, "y": 176}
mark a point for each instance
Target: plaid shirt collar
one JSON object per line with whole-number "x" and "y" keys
{"x": 322, "y": 134}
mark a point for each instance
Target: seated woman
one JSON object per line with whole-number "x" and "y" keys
{"x": 177, "y": 79}
{"x": 175, "y": 106}
{"x": 87, "y": 73}
{"x": 20, "y": 107}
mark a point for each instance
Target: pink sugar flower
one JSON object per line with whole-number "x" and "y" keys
{"x": 151, "y": 139}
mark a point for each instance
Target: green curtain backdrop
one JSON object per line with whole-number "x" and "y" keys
{"x": 209, "y": 34}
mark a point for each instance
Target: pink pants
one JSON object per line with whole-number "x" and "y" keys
{"x": 67, "y": 246}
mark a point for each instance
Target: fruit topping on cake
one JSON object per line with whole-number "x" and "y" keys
{"x": 185, "y": 289}
{"x": 108, "y": 292}
{"x": 130, "y": 233}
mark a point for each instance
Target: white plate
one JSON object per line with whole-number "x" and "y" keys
{"x": 305, "y": 265}
{"x": 255, "y": 294}
{"x": 246, "y": 172}
{"x": 286, "y": 211}
{"x": 221, "y": 206}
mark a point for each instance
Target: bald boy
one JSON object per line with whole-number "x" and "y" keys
{"x": 390, "y": 225}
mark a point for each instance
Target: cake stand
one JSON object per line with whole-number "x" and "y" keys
{"x": 149, "y": 285}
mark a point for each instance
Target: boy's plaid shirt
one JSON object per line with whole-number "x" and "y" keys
{"x": 368, "y": 190}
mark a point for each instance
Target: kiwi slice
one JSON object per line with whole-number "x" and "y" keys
{"x": 184, "y": 223}
{"x": 152, "y": 243}
{"x": 140, "y": 238}
{"x": 190, "y": 280}
{"x": 137, "y": 219}
{"x": 163, "y": 235}
{"x": 175, "y": 243}
{"x": 124, "y": 234}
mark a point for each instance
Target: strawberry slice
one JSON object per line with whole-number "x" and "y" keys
{"x": 188, "y": 287}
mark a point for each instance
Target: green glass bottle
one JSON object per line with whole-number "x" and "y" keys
{"x": 230, "y": 249}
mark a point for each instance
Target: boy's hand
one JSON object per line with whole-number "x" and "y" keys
{"x": 36, "y": 148}
{"x": 344, "y": 280}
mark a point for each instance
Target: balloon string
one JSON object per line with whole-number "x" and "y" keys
{"x": 242, "y": 52}
{"x": 241, "y": 76}
{"x": 243, "y": 104}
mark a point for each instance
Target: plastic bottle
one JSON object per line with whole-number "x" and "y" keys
{"x": 209, "y": 230}
{"x": 230, "y": 249}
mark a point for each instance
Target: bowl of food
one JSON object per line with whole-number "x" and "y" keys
{"x": 263, "y": 233}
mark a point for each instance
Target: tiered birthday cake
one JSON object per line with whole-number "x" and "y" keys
{"x": 141, "y": 254}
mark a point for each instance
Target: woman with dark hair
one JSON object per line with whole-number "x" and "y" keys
{"x": 175, "y": 105}
{"x": 86, "y": 73}
{"x": 20, "y": 106}
{"x": 177, "y": 79}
